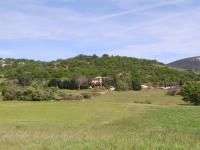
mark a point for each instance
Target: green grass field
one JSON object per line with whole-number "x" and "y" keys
{"x": 114, "y": 121}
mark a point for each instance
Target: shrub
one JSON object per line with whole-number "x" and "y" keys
{"x": 123, "y": 82}
{"x": 53, "y": 83}
{"x": 136, "y": 85}
{"x": 87, "y": 95}
{"x": 147, "y": 102}
{"x": 191, "y": 92}
{"x": 66, "y": 84}
{"x": 109, "y": 82}
{"x": 97, "y": 93}
{"x": 26, "y": 94}
{"x": 25, "y": 79}
{"x": 34, "y": 95}
{"x": 9, "y": 93}
{"x": 174, "y": 90}
{"x": 65, "y": 96}
{"x": 82, "y": 81}
{"x": 121, "y": 86}
{"x": 142, "y": 102}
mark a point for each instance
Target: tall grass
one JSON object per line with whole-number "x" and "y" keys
{"x": 108, "y": 122}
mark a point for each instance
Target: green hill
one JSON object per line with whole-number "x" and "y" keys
{"x": 92, "y": 66}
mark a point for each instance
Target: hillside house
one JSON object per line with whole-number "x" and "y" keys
{"x": 21, "y": 63}
{"x": 98, "y": 81}
{"x": 3, "y": 63}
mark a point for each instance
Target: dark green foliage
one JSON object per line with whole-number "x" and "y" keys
{"x": 174, "y": 90}
{"x": 79, "y": 83}
{"x": 66, "y": 96}
{"x": 181, "y": 83}
{"x": 136, "y": 85}
{"x": 191, "y": 92}
{"x": 54, "y": 82}
{"x": 34, "y": 95}
{"x": 123, "y": 82}
{"x": 66, "y": 84}
{"x": 82, "y": 82}
{"x": 9, "y": 93}
{"x": 87, "y": 95}
{"x": 25, "y": 79}
{"x": 26, "y": 94}
{"x": 109, "y": 81}
{"x": 91, "y": 66}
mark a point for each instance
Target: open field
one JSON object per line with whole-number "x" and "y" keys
{"x": 114, "y": 121}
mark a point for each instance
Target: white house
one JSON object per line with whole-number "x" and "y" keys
{"x": 98, "y": 81}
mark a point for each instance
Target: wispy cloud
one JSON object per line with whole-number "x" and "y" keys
{"x": 143, "y": 28}
{"x": 137, "y": 10}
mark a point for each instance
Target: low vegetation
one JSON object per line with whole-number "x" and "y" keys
{"x": 78, "y": 111}
{"x": 115, "y": 120}
{"x": 191, "y": 92}
{"x": 91, "y": 66}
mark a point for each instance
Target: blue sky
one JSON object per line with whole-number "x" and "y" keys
{"x": 165, "y": 30}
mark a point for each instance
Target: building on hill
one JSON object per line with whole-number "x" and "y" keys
{"x": 21, "y": 63}
{"x": 98, "y": 81}
{"x": 3, "y": 63}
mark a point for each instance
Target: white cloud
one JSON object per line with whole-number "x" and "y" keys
{"x": 4, "y": 53}
{"x": 139, "y": 27}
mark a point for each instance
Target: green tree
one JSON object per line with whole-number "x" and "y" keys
{"x": 191, "y": 92}
{"x": 136, "y": 85}
{"x": 123, "y": 82}
{"x": 25, "y": 79}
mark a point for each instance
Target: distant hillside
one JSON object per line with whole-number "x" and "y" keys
{"x": 92, "y": 66}
{"x": 192, "y": 63}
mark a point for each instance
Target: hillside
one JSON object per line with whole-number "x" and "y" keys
{"x": 92, "y": 66}
{"x": 192, "y": 63}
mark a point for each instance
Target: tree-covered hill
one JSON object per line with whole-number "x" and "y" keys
{"x": 192, "y": 63}
{"x": 92, "y": 66}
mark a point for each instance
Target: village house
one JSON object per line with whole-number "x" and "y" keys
{"x": 3, "y": 63}
{"x": 98, "y": 81}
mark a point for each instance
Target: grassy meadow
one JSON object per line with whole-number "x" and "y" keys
{"x": 148, "y": 119}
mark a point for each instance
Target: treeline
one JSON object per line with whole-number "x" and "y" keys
{"x": 23, "y": 79}
{"x": 91, "y": 66}
{"x": 122, "y": 82}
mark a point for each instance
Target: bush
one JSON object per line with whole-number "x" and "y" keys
{"x": 136, "y": 85}
{"x": 173, "y": 91}
{"x": 142, "y": 102}
{"x": 9, "y": 93}
{"x": 25, "y": 79}
{"x": 34, "y": 95}
{"x": 82, "y": 82}
{"x": 66, "y": 84}
{"x": 191, "y": 92}
{"x": 55, "y": 83}
{"x": 109, "y": 82}
{"x": 65, "y": 96}
{"x": 121, "y": 86}
{"x": 26, "y": 94}
{"x": 123, "y": 82}
{"x": 87, "y": 95}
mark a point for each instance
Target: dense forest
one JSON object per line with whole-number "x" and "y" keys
{"x": 92, "y": 66}
{"x": 28, "y": 79}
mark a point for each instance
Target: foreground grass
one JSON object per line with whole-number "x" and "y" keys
{"x": 111, "y": 122}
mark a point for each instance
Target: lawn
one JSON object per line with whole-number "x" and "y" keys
{"x": 114, "y": 121}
